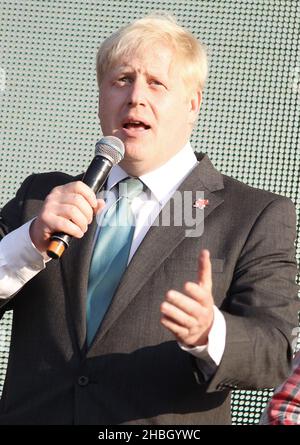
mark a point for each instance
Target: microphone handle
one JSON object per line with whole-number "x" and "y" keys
{"x": 95, "y": 178}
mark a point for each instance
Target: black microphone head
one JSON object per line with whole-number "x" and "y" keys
{"x": 111, "y": 148}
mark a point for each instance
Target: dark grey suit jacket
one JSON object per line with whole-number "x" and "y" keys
{"x": 134, "y": 371}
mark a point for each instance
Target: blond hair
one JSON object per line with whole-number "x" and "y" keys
{"x": 138, "y": 36}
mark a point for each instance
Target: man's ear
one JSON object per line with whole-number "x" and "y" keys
{"x": 99, "y": 104}
{"x": 195, "y": 101}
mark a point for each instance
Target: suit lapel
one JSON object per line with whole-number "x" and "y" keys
{"x": 160, "y": 241}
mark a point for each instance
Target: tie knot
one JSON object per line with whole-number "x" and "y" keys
{"x": 130, "y": 188}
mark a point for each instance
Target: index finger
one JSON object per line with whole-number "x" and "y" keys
{"x": 204, "y": 269}
{"x": 84, "y": 190}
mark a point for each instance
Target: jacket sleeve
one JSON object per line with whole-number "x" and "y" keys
{"x": 11, "y": 219}
{"x": 11, "y": 214}
{"x": 26, "y": 205}
{"x": 261, "y": 305}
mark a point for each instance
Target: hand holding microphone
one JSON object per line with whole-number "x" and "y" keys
{"x": 68, "y": 209}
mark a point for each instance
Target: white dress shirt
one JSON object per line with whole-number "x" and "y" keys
{"x": 20, "y": 261}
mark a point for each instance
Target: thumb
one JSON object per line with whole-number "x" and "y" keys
{"x": 100, "y": 206}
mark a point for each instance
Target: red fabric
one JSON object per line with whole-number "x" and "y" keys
{"x": 284, "y": 407}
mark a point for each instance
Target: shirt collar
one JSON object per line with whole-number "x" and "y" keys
{"x": 165, "y": 179}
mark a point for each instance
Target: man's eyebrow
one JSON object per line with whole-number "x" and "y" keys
{"x": 130, "y": 70}
{"x": 124, "y": 68}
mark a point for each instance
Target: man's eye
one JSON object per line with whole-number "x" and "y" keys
{"x": 124, "y": 79}
{"x": 155, "y": 82}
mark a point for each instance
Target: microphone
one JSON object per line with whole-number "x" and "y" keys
{"x": 109, "y": 151}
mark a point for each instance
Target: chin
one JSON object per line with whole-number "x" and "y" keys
{"x": 135, "y": 151}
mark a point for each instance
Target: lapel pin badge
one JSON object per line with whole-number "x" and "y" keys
{"x": 201, "y": 203}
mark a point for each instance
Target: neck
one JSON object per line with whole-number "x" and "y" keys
{"x": 138, "y": 168}
{"x": 135, "y": 169}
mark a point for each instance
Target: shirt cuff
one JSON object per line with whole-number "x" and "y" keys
{"x": 18, "y": 255}
{"x": 211, "y": 354}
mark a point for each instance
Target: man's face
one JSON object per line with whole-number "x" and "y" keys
{"x": 143, "y": 101}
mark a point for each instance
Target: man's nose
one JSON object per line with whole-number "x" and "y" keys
{"x": 137, "y": 93}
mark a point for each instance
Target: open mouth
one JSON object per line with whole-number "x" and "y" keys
{"x": 136, "y": 125}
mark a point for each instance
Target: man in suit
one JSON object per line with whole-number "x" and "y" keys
{"x": 194, "y": 314}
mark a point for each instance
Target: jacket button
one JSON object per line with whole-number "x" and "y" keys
{"x": 83, "y": 380}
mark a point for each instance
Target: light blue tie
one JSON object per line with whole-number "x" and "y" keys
{"x": 110, "y": 254}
